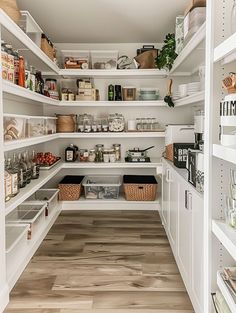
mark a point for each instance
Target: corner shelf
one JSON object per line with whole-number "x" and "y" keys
{"x": 226, "y": 235}
{"x": 192, "y": 54}
{"x": 193, "y": 99}
{"x": 226, "y": 51}
{"x": 226, "y": 153}
{"x": 120, "y": 135}
{"x": 228, "y": 296}
{"x": 130, "y": 104}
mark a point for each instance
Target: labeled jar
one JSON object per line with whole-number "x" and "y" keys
{"x": 112, "y": 156}
{"x": 106, "y": 156}
{"x": 92, "y": 155}
{"x": 117, "y": 149}
{"x": 83, "y": 155}
{"x": 99, "y": 153}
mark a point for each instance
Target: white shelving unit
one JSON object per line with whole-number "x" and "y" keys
{"x": 225, "y": 153}
{"x": 115, "y": 104}
{"x": 229, "y": 298}
{"x": 226, "y": 51}
{"x": 199, "y": 97}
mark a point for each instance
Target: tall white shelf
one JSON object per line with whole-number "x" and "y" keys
{"x": 183, "y": 66}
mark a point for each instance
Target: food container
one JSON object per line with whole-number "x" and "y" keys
{"x": 66, "y": 123}
{"x": 32, "y": 214}
{"x": 101, "y": 187}
{"x": 70, "y": 188}
{"x": 105, "y": 126}
{"x": 104, "y": 60}
{"x": 16, "y": 245}
{"x": 48, "y": 196}
{"x": 28, "y": 24}
{"x": 35, "y": 126}
{"x": 129, "y": 93}
{"x": 116, "y": 122}
{"x": 140, "y": 188}
{"x": 47, "y": 47}
{"x": 14, "y": 127}
{"x": 149, "y": 94}
{"x": 85, "y": 122}
{"x": 193, "y": 21}
{"x": 50, "y": 125}
{"x": 79, "y": 59}
{"x": 83, "y": 155}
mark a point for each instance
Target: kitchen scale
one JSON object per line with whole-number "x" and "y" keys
{"x": 136, "y": 155}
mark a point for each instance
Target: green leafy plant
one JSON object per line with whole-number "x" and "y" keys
{"x": 167, "y": 54}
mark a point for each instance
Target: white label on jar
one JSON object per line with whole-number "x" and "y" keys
{"x": 14, "y": 183}
{"x": 69, "y": 155}
{"x": 86, "y": 154}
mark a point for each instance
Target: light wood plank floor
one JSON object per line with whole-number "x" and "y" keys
{"x": 102, "y": 262}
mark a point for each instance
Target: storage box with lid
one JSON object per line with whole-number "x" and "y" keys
{"x": 35, "y": 126}
{"x": 70, "y": 188}
{"x": 78, "y": 59}
{"x": 50, "y": 125}
{"x": 104, "y": 59}
{"x": 16, "y": 244}
{"x": 102, "y": 187}
{"x": 14, "y": 126}
{"x": 48, "y": 196}
{"x": 140, "y": 187}
{"x": 193, "y": 21}
{"x": 32, "y": 214}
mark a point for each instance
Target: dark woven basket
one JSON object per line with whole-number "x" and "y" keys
{"x": 70, "y": 188}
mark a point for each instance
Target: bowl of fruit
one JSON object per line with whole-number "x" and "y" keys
{"x": 47, "y": 160}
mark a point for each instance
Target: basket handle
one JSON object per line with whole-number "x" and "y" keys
{"x": 140, "y": 187}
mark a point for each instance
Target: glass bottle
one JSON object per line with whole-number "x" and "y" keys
{"x": 7, "y": 184}
{"x": 32, "y": 78}
{"x": 22, "y": 171}
{"x": 16, "y": 66}
{"x": 70, "y": 153}
{"x": 4, "y": 60}
{"x": 35, "y": 167}
{"x": 39, "y": 83}
{"x": 27, "y": 75}
{"x": 14, "y": 178}
{"x": 10, "y": 74}
{"x": 233, "y": 18}
{"x": 15, "y": 167}
{"x": 28, "y": 166}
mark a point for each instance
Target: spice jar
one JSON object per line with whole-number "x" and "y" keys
{"x": 106, "y": 156}
{"x": 117, "y": 149}
{"x": 92, "y": 155}
{"x": 99, "y": 153}
{"x": 112, "y": 156}
{"x": 83, "y": 155}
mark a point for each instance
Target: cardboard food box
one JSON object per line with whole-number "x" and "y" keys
{"x": 194, "y": 4}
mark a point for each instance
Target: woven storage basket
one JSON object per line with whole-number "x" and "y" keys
{"x": 70, "y": 188}
{"x": 47, "y": 49}
{"x": 11, "y": 8}
{"x": 170, "y": 152}
{"x": 140, "y": 188}
{"x": 66, "y": 123}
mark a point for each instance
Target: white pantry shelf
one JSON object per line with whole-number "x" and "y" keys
{"x": 17, "y": 144}
{"x": 132, "y": 73}
{"x": 34, "y": 185}
{"x": 32, "y": 248}
{"x": 227, "y": 294}
{"x": 113, "y": 204}
{"x": 14, "y": 91}
{"x": 193, "y": 99}
{"x": 12, "y": 33}
{"x": 121, "y": 135}
{"x": 192, "y": 55}
{"x": 226, "y": 153}
{"x": 226, "y": 51}
{"x": 130, "y": 104}
{"x": 226, "y": 235}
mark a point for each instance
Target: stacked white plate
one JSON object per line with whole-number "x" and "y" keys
{"x": 192, "y": 88}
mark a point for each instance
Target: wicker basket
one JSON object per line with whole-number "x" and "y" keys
{"x": 139, "y": 191}
{"x": 170, "y": 152}
{"x": 66, "y": 123}
{"x": 70, "y": 188}
{"x": 47, "y": 49}
{"x": 11, "y": 8}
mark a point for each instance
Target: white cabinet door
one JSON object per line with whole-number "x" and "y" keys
{"x": 197, "y": 249}
{"x": 173, "y": 213}
{"x": 185, "y": 233}
{"x": 165, "y": 196}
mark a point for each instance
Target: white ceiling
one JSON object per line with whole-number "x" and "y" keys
{"x": 105, "y": 21}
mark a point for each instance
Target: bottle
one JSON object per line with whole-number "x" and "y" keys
{"x": 7, "y": 184}
{"x": 27, "y": 75}
{"x": 39, "y": 83}
{"x": 70, "y": 153}
{"x": 21, "y": 80}
{"x": 34, "y": 166}
{"x": 10, "y": 73}
{"x": 16, "y": 67}
{"x": 14, "y": 178}
{"x": 233, "y": 18}
{"x": 32, "y": 78}
{"x": 111, "y": 93}
{"x": 15, "y": 167}
{"x": 22, "y": 171}
{"x": 28, "y": 166}
{"x": 4, "y": 60}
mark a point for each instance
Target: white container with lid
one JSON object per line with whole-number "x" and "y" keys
{"x": 179, "y": 134}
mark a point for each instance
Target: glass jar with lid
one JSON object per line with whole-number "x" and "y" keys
{"x": 138, "y": 124}
{"x": 116, "y": 122}
{"x": 83, "y": 155}
{"x": 117, "y": 149}
{"x": 112, "y": 156}
{"x": 81, "y": 123}
{"x": 105, "y": 127}
{"x": 88, "y": 119}
{"x": 92, "y": 155}
{"x": 99, "y": 153}
{"x": 99, "y": 124}
{"x": 106, "y": 156}
{"x": 155, "y": 124}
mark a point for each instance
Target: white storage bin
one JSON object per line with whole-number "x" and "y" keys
{"x": 193, "y": 21}
{"x": 14, "y": 126}
{"x": 102, "y": 187}
{"x": 76, "y": 59}
{"x": 50, "y": 125}
{"x": 35, "y": 126}
{"x": 16, "y": 244}
{"x": 28, "y": 24}
{"x": 32, "y": 214}
{"x": 104, "y": 60}
{"x": 48, "y": 196}
{"x": 179, "y": 134}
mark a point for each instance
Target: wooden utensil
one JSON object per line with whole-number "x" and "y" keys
{"x": 168, "y": 98}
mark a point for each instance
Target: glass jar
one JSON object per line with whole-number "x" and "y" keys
{"x": 106, "y": 156}
{"x": 99, "y": 153}
{"x": 155, "y": 124}
{"x": 83, "y": 155}
{"x": 88, "y": 119}
{"x": 230, "y": 211}
{"x": 116, "y": 122}
{"x": 112, "y": 156}
{"x": 144, "y": 124}
{"x": 117, "y": 149}
{"x": 138, "y": 124}
{"x": 99, "y": 125}
{"x": 94, "y": 126}
{"x": 105, "y": 127}
{"x": 149, "y": 124}
{"x": 51, "y": 84}
{"x": 92, "y": 155}
{"x": 81, "y": 123}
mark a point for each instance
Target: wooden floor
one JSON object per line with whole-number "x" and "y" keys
{"x": 102, "y": 262}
